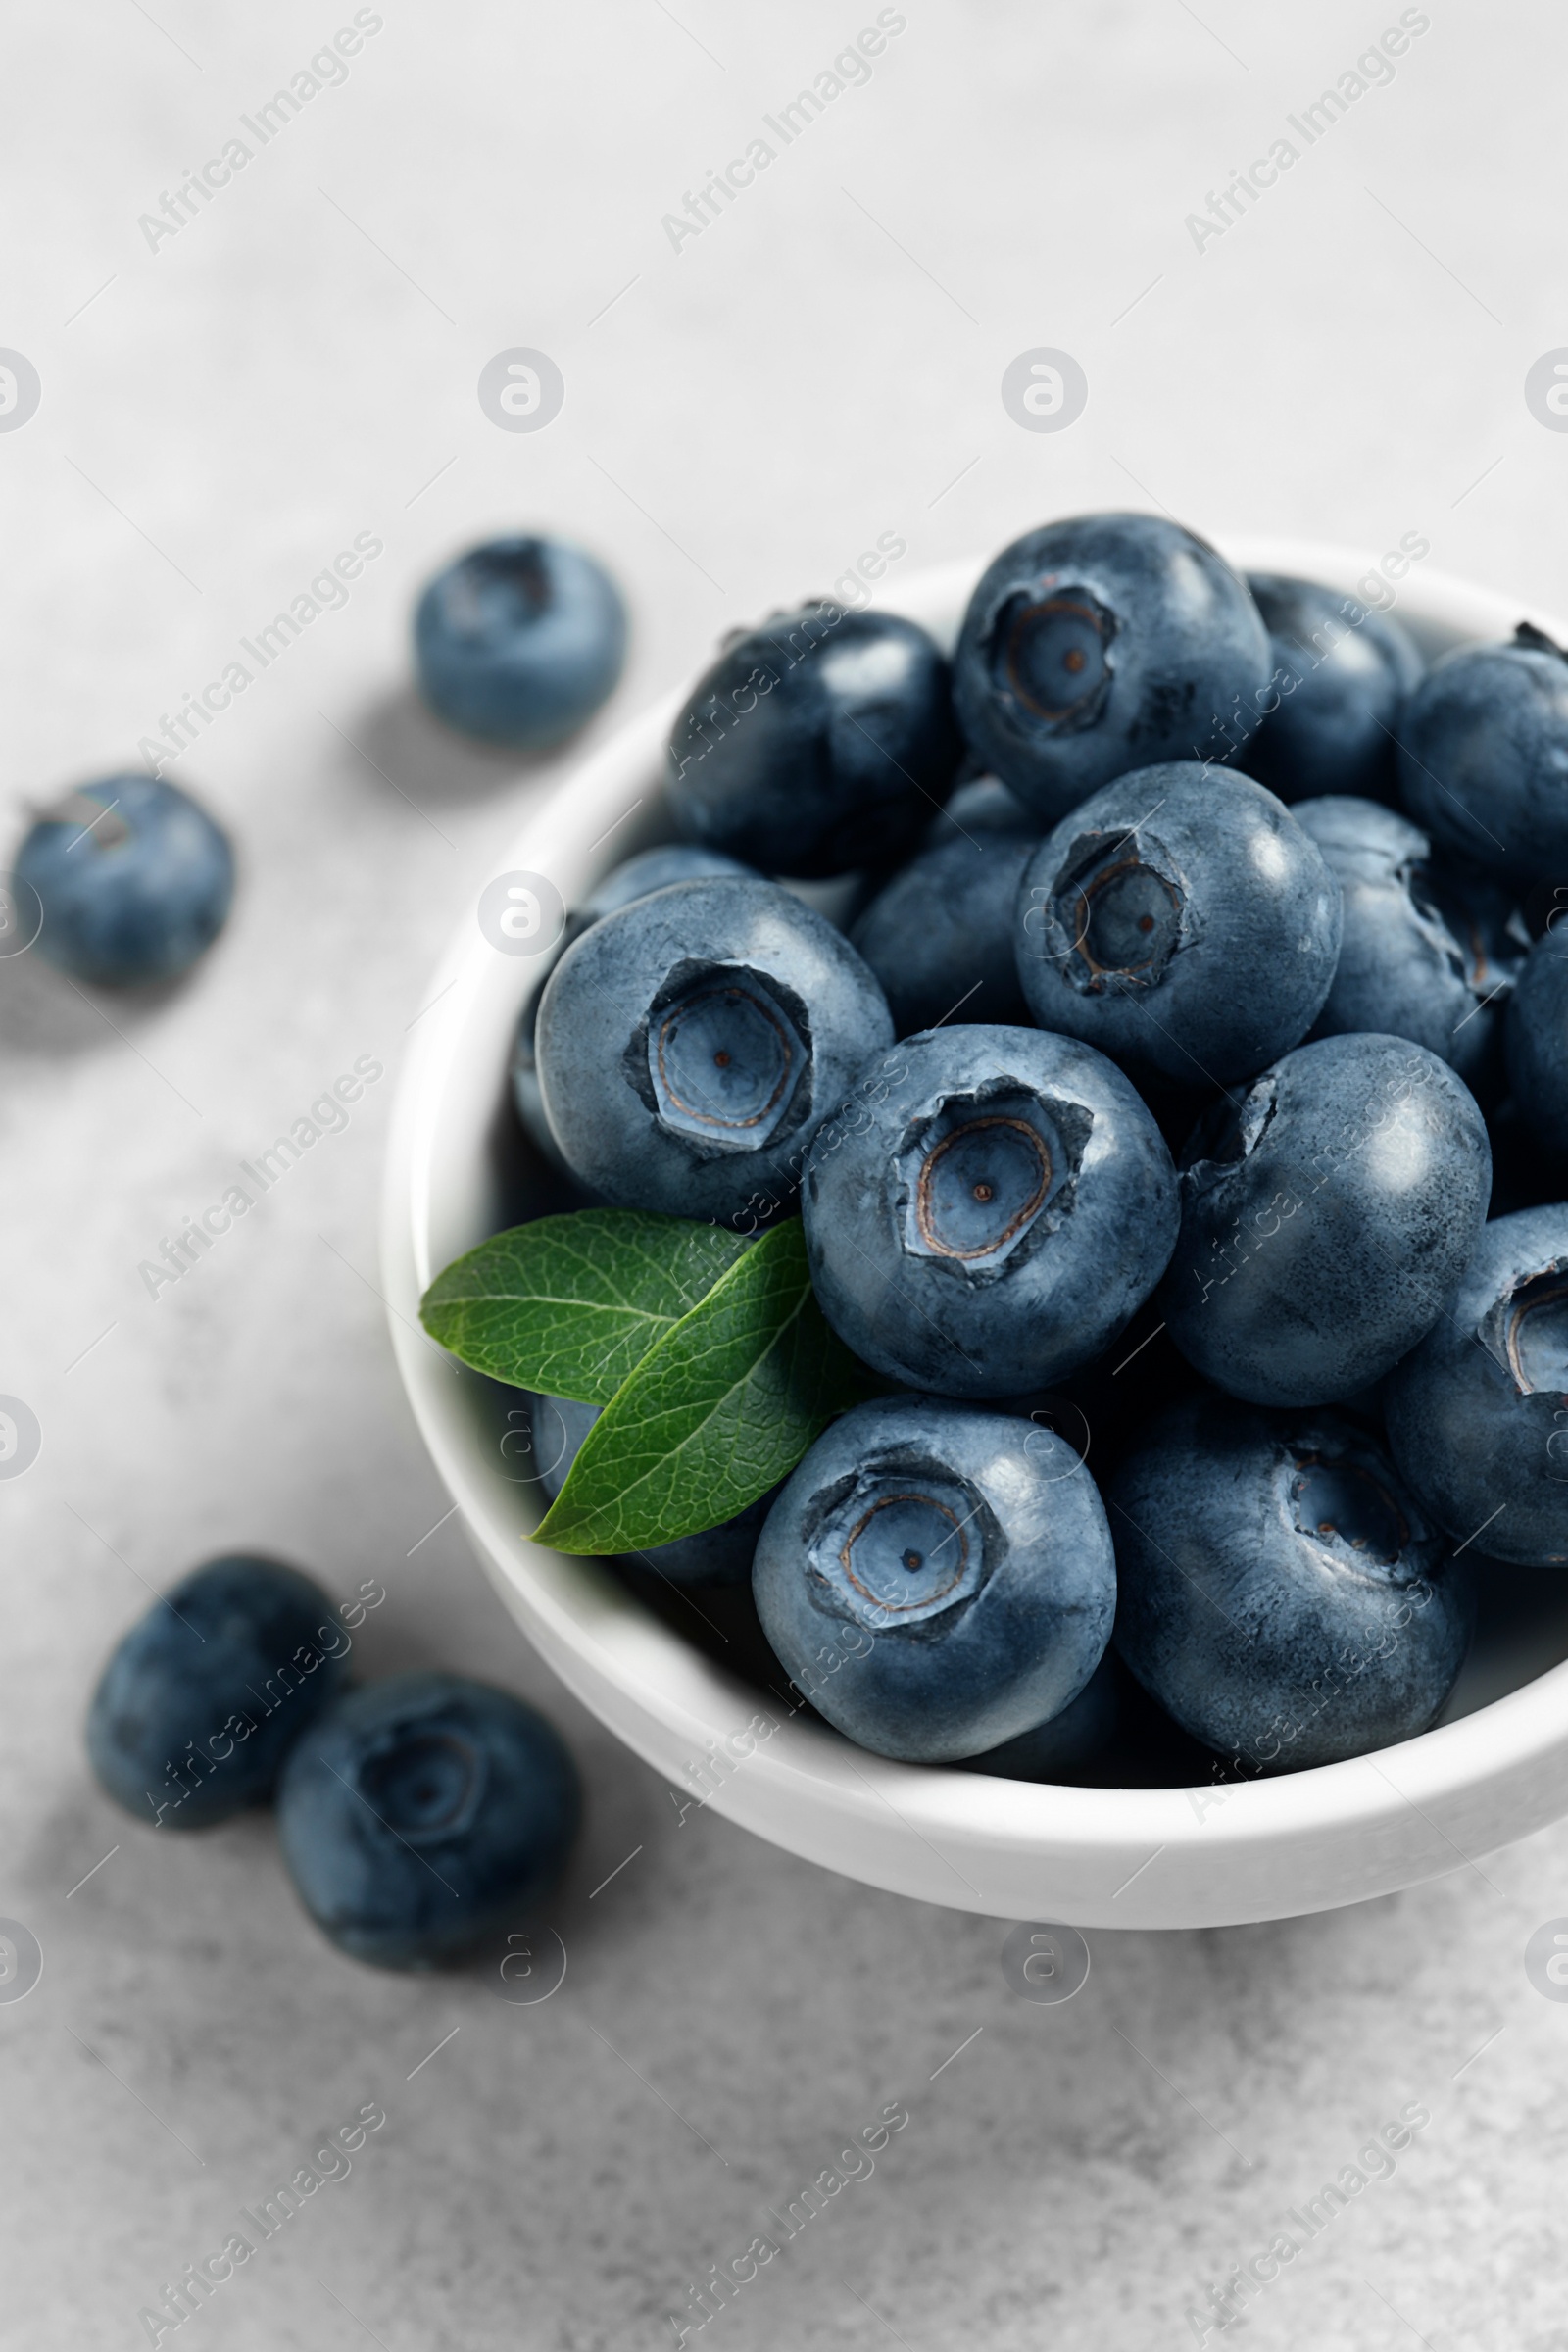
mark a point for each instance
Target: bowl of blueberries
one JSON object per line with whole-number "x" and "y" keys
{"x": 977, "y": 1223}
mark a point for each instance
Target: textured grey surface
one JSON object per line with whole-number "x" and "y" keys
{"x": 744, "y": 415}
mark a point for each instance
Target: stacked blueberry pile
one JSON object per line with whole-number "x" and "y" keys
{"x": 1134, "y": 1130}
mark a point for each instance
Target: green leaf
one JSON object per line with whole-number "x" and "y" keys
{"x": 718, "y": 1412}
{"x": 570, "y": 1306}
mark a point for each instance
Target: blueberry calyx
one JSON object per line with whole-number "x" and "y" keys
{"x": 1531, "y": 640}
{"x": 724, "y": 1060}
{"x": 898, "y": 1545}
{"x": 1051, "y": 653}
{"x": 976, "y": 1177}
{"x": 424, "y": 1785}
{"x": 1121, "y": 910}
{"x": 1525, "y": 1332}
{"x": 1345, "y": 1505}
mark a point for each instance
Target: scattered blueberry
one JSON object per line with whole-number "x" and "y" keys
{"x": 939, "y": 935}
{"x": 201, "y": 1699}
{"x": 988, "y": 1210}
{"x": 422, "y": 1813}
{"x": 1325, "y": 1218}
{"x": 719, "y": 1556}
{"x": 820, "y": 742}
{"x": 1181, "y": 921}
{"x": 1102, "y": 644}
{"x": 520, "y": 641}
{"x": 1477, "y": 1413}
{"x": 691, "y": 1044}
{"x": 1483, "y": 758}
{"x": 937, "y": 1579}
{"x": 1341, "y": 672}
{"x": 636, "y": 877}
{"x": 135, "y": 879}
{"x": 1425, "y": 953}
{"x": 1538, "y": 1043}
{"x": 1279, "y": 1589}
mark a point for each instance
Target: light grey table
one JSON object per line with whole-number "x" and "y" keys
{"x": 748, "y": 405}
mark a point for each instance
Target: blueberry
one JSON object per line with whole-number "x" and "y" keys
{"x": 937, "y": 1579}
{"x": 1483, "y": 758}
{"x": 1538, "y": 1043}
{"x": 1325, "y": 1218}
{"x": 939, "y": 935}
{"x": 982, "y": 806}
{"x": 820, "y": 742}
{"x": 520, "y": 641}
{"x": 1279, "y": 1589}
{"x": 134, "y": 880}
{"x": 1426, "y": 952}
{"x": 202, "y": 1698}
{"x": 1477, "y": 1412}
{"x": 1181, "y": 921}
{"x": 690, "y": 1046}
{"x": 424, "y": 1812}
{"x": 719, "y": 1556}
{"x": 634, "y": 879}
{"x": 1102, "y": 644}
{"x": 986, "y": 1210}
{"x": 1341, "y": 672}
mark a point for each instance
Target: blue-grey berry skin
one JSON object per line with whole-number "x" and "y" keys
{"x": 422, "y": 1813}
{"x": 1427, "y": 952}
{"x": 1070, "y": 1746}
{"x": 937, "y": 1579}
{"x": 1341, "y": 672}
{"x": 1536, "y": 1037}
{"x": 717, "y": 1555}
{"x": 1483, "y": 758}
{"x": 1478, "y": 1414}
{"x": 520, "y": 641}
{"x": 1102, "y": 644}
{"x": 1324, "y": 1220}
{"x": 691, "y": 1044}
{"x": 202, "y": 1698}
{"x": 1280, "y": 1590}
{"x": 634, "y": 879}
{"x": 982, "y": 806}
{"x": 135, "y": 879}
{"x": 1181, "y": 921}
{"x": 820, "y": 742}
{"x": 939, "y": 935}
{"x": 987, "y": 1211}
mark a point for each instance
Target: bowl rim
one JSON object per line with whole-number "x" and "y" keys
{"x": 1332, "y": 1833}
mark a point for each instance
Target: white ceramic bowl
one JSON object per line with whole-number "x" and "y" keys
{"x": 1495, "y": 1768}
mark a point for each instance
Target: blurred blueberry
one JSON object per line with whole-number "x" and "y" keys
{"x": 636, "y": 877}
{"x": 987, "y": 1211}
{"x": 1478, "y": 1411}
{"x": 1538, "y": 1043}
{"x": 939, "y": 935}
{"x": 719, "y": 1556}
{"x": 135, "y": 880}
{"x": 937, "y": 1579}
{"x": 1426, "y": 952}
{"x": 1341, "y": 671}
{"x": 820, "y": 742}
{"x": 1325, "y": 1218}
{"x": 423, "y": 1812}
{"x": 203, "y": 1697}
{"x": 690, "y": 1045}
{"x": 982, "y": 806}
{"x": 1181, "y": 921}
{"x": 1483, "y": 758}
{"x": 520, "y": 641}
{"x": 1278, "y": 1587}
{"x": 1106, "y": 643}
